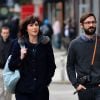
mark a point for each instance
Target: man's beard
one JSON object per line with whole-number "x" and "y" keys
{"x": 90, "y": 31}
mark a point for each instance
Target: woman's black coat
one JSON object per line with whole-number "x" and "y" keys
{"x": 36, "y": 69}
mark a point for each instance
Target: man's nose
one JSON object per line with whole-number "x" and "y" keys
{"x": 91, "y": 24}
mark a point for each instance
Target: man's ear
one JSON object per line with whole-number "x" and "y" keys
{"x": 81, "y": 25}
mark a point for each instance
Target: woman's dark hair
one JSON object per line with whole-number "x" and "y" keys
{"x": 23, "y": 26}
{"x": 85, "y": 16}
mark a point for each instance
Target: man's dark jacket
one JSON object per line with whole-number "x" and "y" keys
{"x": 79, "y": 61}
{"x": 5, "y": 49}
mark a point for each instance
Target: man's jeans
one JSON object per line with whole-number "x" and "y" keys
{"x": 4, "y": 95}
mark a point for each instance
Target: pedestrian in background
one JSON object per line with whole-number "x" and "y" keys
{"x": 5, "y": 49}
{"x": 35, "y": 62}
{"x": 57, "y": 34}
{"x": 46, "y": 29}
{"x": 72, "y": 29}
{"x": 83, "y": 62}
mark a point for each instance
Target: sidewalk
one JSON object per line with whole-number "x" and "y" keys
{"x": 62, "y": 92}
{"x": 60, "y": 60}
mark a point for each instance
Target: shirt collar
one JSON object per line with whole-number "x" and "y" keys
{"x": 83, "y": 37}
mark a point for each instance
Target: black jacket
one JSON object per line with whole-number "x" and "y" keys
{"x": 5, "y": 49}
{"x": 36, "y": 69}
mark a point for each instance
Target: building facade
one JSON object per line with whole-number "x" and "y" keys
{"x": 71, "y": 9}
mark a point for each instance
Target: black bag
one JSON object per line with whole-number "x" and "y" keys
{"x": 85, "y": 79}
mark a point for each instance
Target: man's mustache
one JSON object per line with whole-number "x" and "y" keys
{"x": 91, "y": 28}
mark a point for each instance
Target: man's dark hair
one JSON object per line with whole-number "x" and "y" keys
{"x": 85, "y": 16}
{"x": 5, "y": 27}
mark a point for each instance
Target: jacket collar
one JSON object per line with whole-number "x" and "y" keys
{"x": 83, "y": 37}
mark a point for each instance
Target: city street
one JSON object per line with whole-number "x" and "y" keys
{"x": 62, "y": 21}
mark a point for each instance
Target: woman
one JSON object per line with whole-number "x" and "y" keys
{"x": 35, "y": 61}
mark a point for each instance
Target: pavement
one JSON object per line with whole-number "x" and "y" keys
{"x": 60, "y": 60}
{"x": 61, "y": 88}
{"x": 62, "y": 92}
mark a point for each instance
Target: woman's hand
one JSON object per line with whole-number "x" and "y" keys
{"x": 23, "y": 53}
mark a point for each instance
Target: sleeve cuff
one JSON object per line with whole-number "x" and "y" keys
{"x": 76, "y": 85}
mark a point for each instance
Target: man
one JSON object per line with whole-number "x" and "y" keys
{"x": 5, "y": 49}
{"x": 57, "y": 34}
{"x": 83, "y": 62}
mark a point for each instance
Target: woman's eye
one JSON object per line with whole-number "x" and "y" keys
{"x": 30, "y": 24}
{"x": 36, "y": 24}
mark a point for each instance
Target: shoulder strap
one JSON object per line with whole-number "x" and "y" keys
{"x": 94, "y": 52}
{"x": 21, "y": 43}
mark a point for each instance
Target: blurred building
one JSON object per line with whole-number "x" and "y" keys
{"x": 71, "y": 9}
{"x": 51, "y": 8}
